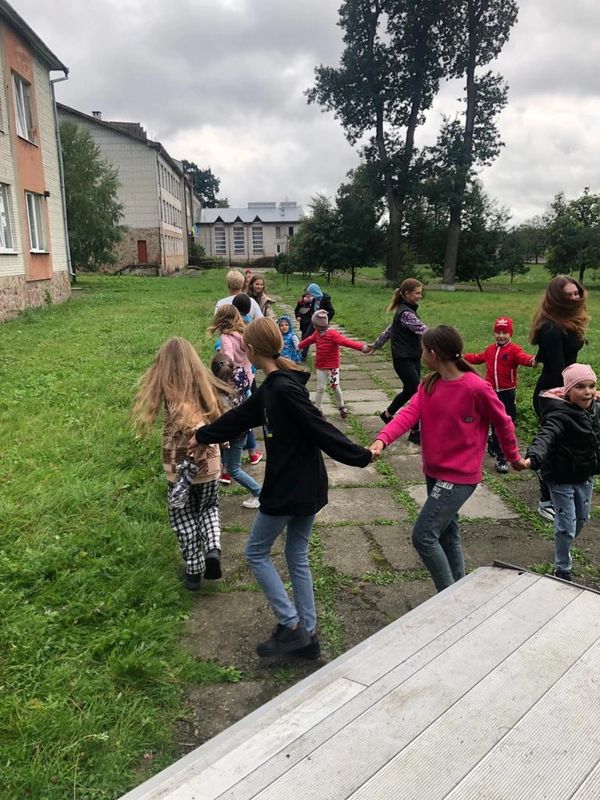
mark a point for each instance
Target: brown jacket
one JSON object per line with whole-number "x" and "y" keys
{"x": 174, "y": 449}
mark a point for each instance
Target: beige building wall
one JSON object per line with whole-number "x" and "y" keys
{"x": 276, "y": 238}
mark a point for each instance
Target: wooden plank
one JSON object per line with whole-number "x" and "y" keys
{"x": 207, "y": 780}
{"x": 437, "y": 760}
{"x": 553, "y": 749}
{"x": 590, "y": 788}
{"x": 350, "y": 757}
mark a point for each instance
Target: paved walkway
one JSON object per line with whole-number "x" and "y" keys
{"x": 366, "y": 571}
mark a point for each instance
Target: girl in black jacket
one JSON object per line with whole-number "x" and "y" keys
{"x": 567, "y": 452}
{"x": 558, "y": 329}
{"x": 295, "y": 483}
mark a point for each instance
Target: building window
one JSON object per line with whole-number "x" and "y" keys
{"x": 257, "y": 240}
{"x": 291, "y": 230}
{"x": 6, "y": 234}
{"x": 278, "y": 231}
{"x": 35, "y": 217}
{"x": 220, "y": 242}
{"x": 23, "y": 115}
{"x": 238, "y": 239}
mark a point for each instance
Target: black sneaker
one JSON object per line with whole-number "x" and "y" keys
{"x": 501, "y": 465}
{"x": 212, "y": 569}
{"x": 192, "y": 581}
{"x": 311, "y": 652}
{"x": 563, "y": 574}
{"x": 414, "y": 437}
{"x": 284, "y": 640}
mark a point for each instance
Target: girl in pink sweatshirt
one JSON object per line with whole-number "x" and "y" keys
{"x": 455, "y": 407}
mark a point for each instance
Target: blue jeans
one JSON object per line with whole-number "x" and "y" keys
{"x": 232, "y": 459}
{"x": 250, "y": 441}
{"x": 265, "y": 530}
{"x": 572, "y": 510}
{"x": 436, "y": 536}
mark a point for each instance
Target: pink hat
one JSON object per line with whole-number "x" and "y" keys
{"x": 320, "y": 319}
{"x": 575, "y": 374}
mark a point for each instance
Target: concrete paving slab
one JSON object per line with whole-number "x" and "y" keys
{"x": 360, "y": 505}
{"x": 352, "y": 396}
{"x": 346, "y": 550}
{"x": 357, "y": 380}
{"x": 358, "y": 617}
{"x": 396, "y": 545}
{"x": 407, "y": 466}
{"x": 234, "y": 515}
{"x": 505, "y": 541}
{"x": 482, "y": 503}
{"x": 343, "y": 475}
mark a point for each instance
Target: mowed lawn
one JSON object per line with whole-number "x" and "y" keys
{"x": 92, "y": 605}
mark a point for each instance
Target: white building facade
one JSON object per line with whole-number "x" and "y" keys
{"x": 152, "y": 191}
{"x": 263, "y": 229}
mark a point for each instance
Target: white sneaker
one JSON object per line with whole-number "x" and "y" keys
{"x": 546, "y": 510}
{"x": 251, "y": 502}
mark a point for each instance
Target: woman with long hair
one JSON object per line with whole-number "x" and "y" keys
{"x": 558, "y": 329}
{"x": 295, "y": 482}
{"x": 257, "y": 290}
{"x": 405, "y": 331}
{"x": 179, "y": 387}
{"x": 455, "y": 407}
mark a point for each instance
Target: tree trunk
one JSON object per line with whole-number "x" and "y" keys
{"x": 464, "y": 166}
{"x": 581, "y": 274}
{"x": 353, "y": 273}
{"x": 479, "y": 284}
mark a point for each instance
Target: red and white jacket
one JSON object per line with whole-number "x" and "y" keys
{"x": 501, "y": 362}
{"x": 328, "y": 343}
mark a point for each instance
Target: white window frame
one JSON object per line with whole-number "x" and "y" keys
{"x": 220, "y": 240}
{"x": 35, "y": 220}
{"x": 7, "y": 236}
{"x": 239, "y": 240}
{"x": 23, "y": 108}
{"x": 257, "y": 240}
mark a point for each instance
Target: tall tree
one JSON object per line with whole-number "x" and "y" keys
{"x": 396, "y": 52}
{"x": 533, "y": 237}
{"x": 93, "y": 210}
{"x": 574, "y": 234}
{"x": 486, "y": 26}
{"x": 206, "y": 185}
{"x": 316, "y": 245}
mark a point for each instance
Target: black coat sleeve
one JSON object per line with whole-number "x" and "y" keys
{"x": 248, "y": 414}
{"x": 315, "y": 429}
{"x": 327, "y": 306}
{"x": 552, "y": 429}
{"x": 551, "y": 346}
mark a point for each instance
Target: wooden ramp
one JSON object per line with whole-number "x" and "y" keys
{"x": 488, "y": 691}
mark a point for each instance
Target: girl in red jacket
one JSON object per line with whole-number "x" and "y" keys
{"x": 501, "y": 361}
{"x": 328, "y": 342}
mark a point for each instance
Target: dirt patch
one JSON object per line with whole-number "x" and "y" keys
{"x": 503, "y": 541}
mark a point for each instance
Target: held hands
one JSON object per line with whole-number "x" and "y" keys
{"x": 376, "y": 449}
{"x": 368, "y": 349}
{"x": 521, "y": 464}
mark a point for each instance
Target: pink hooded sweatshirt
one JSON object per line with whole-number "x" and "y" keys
{"x": 455, "y": 419}
{"x": 232, "y": 344}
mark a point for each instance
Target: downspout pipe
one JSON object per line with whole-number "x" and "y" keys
{"x": 61, "y": 173}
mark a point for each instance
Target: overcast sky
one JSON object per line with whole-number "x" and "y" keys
{"x": 220, "y": 82}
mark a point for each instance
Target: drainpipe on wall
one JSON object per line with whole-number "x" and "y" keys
{"x": 61, "y": 173}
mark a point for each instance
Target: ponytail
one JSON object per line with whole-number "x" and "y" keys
{"x": 446, "y": 342}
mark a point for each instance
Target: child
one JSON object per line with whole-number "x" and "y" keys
{"x": 567, "y": 452}
{"x": 501, "y": 361}
{"x": 222, "y": 367}
{"x": 328, "y": 342}
{"x": 230, "y": 325}
{"x": 290, "y": 340}
{"x": 455, "y": 407}
{"x": 179, "y": 385}
{"x": 295, "y": 486}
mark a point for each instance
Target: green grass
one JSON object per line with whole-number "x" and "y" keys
{"x": 91, "y": 666}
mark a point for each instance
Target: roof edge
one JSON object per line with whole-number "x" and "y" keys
{"x": 8, "y": 13}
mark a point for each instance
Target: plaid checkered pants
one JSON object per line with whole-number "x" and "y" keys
{"x": 197, "y": 525}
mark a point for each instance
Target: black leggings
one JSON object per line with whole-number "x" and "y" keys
{"x": 409, "y": 372}
{"x": 539, "y": 388}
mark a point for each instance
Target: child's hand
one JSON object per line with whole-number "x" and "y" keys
{"x": 376, "y": 449}
{"x": 368, "y": 349}
{"x": 192, "y": 444}
{"x": 521, "y": 464}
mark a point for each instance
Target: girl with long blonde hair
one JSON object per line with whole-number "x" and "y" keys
{"x": 295, "y": 483}
{"x": 178, "y": 387}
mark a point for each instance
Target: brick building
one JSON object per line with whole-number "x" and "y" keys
{"x": 158, "y": 202}
{"x": 34, "y": 253}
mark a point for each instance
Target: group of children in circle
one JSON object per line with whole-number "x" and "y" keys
{"x": 449, "y": 414}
